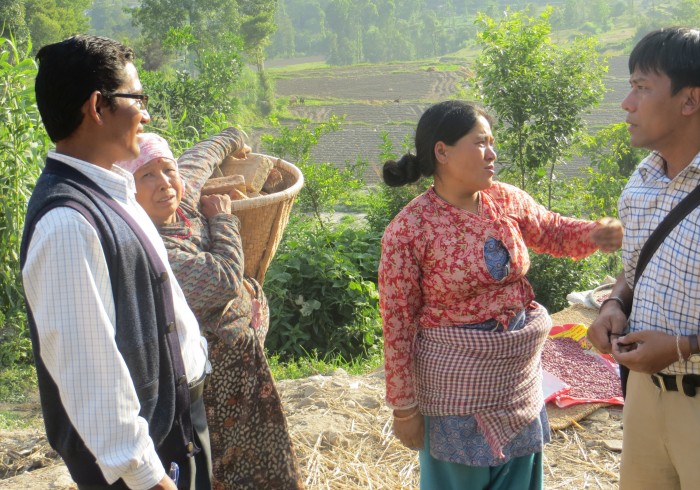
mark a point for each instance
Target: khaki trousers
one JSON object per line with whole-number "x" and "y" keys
{"x": 661, "y": 438}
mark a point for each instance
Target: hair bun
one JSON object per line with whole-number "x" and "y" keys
{"x": 404, "y": 171}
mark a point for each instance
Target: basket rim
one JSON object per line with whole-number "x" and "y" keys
{"x": 289, "y": 193}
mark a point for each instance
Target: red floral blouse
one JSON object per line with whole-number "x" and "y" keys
{"x": 433, "y": 271}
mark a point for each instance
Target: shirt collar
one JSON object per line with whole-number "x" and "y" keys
{"x": 653, "y": 167}
{"x": 117, "y": 182}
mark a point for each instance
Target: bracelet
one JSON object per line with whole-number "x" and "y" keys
{"x": 678, "y": 348}
{"x": 618, "y": 300}
{"x": 407, "y": 417}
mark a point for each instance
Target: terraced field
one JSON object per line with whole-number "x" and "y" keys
{"x": 361, "y": 85}
{"x": 391, "y": 98}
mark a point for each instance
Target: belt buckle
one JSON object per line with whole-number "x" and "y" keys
{"x": 661, "y": 382}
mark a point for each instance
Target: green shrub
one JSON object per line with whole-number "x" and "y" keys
{"x": 23, "y": 147}
{"x": 552, "y": 278}
{"x": 318, "y": 293}
{"x": 15, "y": 345}
{"x": 387, "y": 201}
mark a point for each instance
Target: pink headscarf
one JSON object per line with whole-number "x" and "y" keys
{"x": 152, "y": 146}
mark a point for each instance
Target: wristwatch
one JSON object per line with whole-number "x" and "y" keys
{"x": 694, "y": 349}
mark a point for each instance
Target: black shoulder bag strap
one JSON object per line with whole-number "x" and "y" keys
{"x": 680, "y": 211}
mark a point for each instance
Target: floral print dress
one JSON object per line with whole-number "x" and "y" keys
{"x": 251, "y": 446}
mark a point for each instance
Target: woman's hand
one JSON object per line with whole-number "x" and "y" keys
{"x": 242, "y": 153}
{"x": 608, "y": 234}
{"x": 409, "y": 427}
{"x": 214, "y": 204}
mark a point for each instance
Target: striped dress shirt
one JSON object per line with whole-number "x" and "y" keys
{"x": 667, "y": 297}
{"x": 68, "y": 288}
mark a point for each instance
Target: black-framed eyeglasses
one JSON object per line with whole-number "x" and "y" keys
{"x": 142, "y": 98}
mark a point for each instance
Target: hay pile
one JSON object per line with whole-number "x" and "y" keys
{"x": 24, "y": 450}
{"x": 342, "y": 434}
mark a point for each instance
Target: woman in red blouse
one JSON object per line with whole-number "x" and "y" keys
{"x": 462, "y": 331}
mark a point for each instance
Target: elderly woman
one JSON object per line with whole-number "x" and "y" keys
{"x": 251, "y": 447}
{"x": 462, "y": 333}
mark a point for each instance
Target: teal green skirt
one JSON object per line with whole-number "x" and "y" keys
{"x": 523, "y": 473}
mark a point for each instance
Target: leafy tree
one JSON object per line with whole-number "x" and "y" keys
{"x": 612, "y": 162}
{"x": 43, "y": 21}
{"x": 14, "y": 23}
{"x": 111, "y": 18}
{"x": 686, "y": 12}
{"x": 325, "y": 186}
{"x": 209, "y": 25}
{"x": 284, "y": 43}
{"x": 53, "y": 20}
{"x": 257, "y": 27}
{"x": 539, "y": 91}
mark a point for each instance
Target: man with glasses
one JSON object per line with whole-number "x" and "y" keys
{"x": 120, "y": 360}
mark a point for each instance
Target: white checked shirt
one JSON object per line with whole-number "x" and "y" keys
{"x": 67, "y": 286}
{"x": 667, "y": 297}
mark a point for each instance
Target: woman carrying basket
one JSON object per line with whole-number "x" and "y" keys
{"x": 462, "y": 334}
{"x": 251, "y": 447}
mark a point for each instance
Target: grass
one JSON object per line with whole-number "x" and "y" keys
{"x": 13, "y": 420}
{"x": 316, "y": 65}
{"x": 313, "y": 365}
{"x": 17, "y": 386}
{"x": 17, "y": 383}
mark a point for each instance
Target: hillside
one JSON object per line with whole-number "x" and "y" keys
{"x": 392, "y": 97}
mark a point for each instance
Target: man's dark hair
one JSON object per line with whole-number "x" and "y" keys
{"x": 71, "y": 70}
{"x": 673, "y": 51}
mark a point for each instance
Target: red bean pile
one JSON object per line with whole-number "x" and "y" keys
{"x": 588, "y": 377}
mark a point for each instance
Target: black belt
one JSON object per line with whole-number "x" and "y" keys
{"x": 668, "y": 382}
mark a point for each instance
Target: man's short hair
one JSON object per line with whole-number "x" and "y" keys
{"x": 673, "y": 51}
{"x": 69, "y": 72}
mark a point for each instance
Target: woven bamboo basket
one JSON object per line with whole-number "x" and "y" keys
{"x": 264, "y": 218}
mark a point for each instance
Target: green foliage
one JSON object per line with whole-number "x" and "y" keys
{"x": 14, "y": 22}
{"x": 23, "y": 146}
{"x": 17, "y": 383}
{"x": 194, "y": 101}
{"x": 206, "y": 20}
{"x": 552, "y": 278}
{"x": 110, "y": 18}
{"x": 539, "y": 91}
{"x": 348, "y": 32}
{"x": 322, "y": 283}
{"x": 685, "y": 13}
{"x": 50, "y": 21}
{"x": 318, "y": 288}
{"x": 612, "y": 162}
{"x": 325, "y": 185}
{"x": 387, "y": 201}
